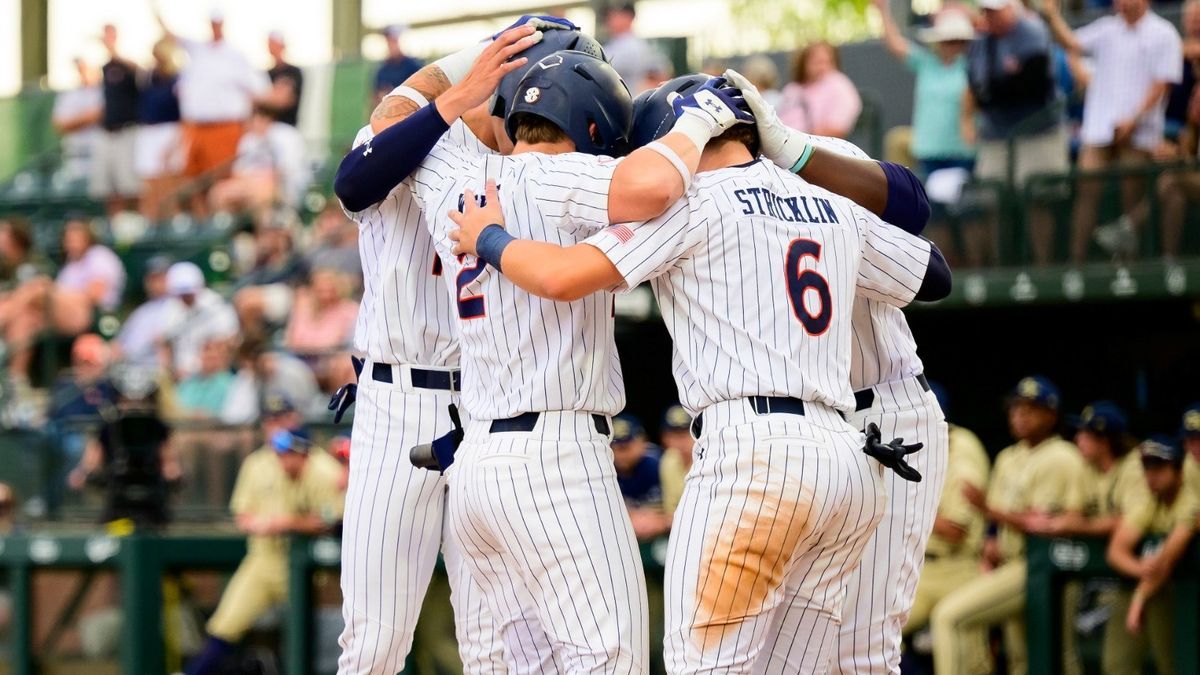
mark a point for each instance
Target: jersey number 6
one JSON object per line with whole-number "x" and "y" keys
{"x": 799, "y": 281}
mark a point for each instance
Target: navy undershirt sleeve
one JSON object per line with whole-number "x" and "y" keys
{"x": 371, "y": 171}
{"x": 937, "y": 282}
{"x": 907, "y": 205}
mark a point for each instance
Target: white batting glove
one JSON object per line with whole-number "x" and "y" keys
{"x": 789, "y": 148}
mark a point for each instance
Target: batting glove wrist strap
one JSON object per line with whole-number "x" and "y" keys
{"x": 674, "y": 158}
{"x": 696, "y": 127}
{"x": 456, "y": 66}
{"x": 490, "y": 244}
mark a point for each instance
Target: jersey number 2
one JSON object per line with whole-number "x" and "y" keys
{"x": 800, "y": 281}
{"x": 469, "y": 306}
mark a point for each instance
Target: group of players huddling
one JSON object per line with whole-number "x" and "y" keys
{"x": 504, "y": 194}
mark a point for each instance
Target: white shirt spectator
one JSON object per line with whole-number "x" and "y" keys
{"x": 218, "y": 84}
{"x": 98, "y": 265}
{"x": 189, "y": 327}
{"x": 1126, "y": 62}
{"x": 140, "y": 335}
{"x": 632, "y": 58}
{"x": 77, "y": 145}
{"x": 280, "y": 149}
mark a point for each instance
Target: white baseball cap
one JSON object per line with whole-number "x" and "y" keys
{"x": 994, "y": 4}
{"x": 184, "y": 278}
{"x": 949, "y": 26}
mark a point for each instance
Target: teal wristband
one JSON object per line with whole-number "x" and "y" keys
{"x": 490, "y": 244}
{"x": 804, "y": 157}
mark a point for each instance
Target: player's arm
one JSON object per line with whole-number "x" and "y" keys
{"x": 1120, "y": 553}
{"x": 889, "y": 190}
{"x": 652, "y": 178}
{"x": 368, "y": 174}
{"x": 898, "y": 268}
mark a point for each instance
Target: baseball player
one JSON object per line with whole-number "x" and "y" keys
{"x": 780, "y": 501}
{"x": 892, "y": 393}
{"x": 407, "y": 340}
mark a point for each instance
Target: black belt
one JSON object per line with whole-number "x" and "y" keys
{"x": 527, "y": 421}
{"x": 420, "y": 378}
{"x": 865, "y": 398}
{"x": 762, "y": 405}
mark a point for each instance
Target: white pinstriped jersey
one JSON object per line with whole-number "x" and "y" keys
{"x": 406, "y": 315}
{"x": 755, "y": 274}
{"x": 884, "y": 349}
{"x": 521, "y": 353}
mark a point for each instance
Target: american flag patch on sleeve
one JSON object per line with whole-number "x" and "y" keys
{"x": 621, "y": 232}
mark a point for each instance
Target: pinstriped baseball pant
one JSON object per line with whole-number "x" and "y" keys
{"x": 393, "y": 529}
{"x": 543, "y": 529}
{"x": 883, "y": 586}
{"x": 774, "y": 515}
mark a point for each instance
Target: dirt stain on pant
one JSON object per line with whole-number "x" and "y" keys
{"x": 745, "y": 560}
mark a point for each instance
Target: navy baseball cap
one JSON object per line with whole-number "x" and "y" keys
{"x": 676, "y": 419}
{"x": 1037, "y": 390}
{"x": 275, "y": 403}
{"x": 1161, "y": 448}
{"x": 1190, "y": 426}
{"x": 626, "y": 428}
{"x": 1102, "y": 417}
{"x": 291, "y": 440}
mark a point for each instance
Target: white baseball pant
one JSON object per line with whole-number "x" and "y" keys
{"x": 884, "y": 584}
{"x": 393, "y": 528}
{"x": 774, "y": 516}
{"x": 543, "y": 529}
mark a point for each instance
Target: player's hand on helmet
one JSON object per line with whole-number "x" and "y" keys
{"x": 715, "y": 103}
{"x": 780, "y": 143}
{"x": 892, "y": 454}
{"x": 474, "y": 218}
{"x": 541, "y": 22}
{"x": 485, "y": 73}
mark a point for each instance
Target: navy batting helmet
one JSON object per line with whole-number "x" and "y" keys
{"x": 653, "y": 115}
{"x": 583, "y": 96}
{"x": 554, "y": 40}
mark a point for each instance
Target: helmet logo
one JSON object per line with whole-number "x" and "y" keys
{"x": 550, "y": 61}
{"x": 532, "y": 95}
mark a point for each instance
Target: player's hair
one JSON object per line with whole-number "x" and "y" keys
{"x": 746, "y": 134}
{"x": 532, "y": 128}
{"x": 801, "y": 56}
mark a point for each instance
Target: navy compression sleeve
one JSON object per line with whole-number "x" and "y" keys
{"x": 907, "y": 205}
{"x": 937, "y": 282}
{"x": 372, "y": 170}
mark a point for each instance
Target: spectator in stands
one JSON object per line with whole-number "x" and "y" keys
{"x": 677, "y": 442}
{"x": 321, "y": 326}
{"x": 217, "y": 90}
{"x": 267, "y": 169}
{"x": 285, "y": 487}
{"x": 261, "y": 372}
{"x": 139, "y": 338}
{"x": 264, "y": 295}
{"x": 76, "y": 119}
{"x": 762, "y": 73}
{"x": 92, "y": 279}
{"x": 1137, "y": 57}
{"x": 1189, "y": 430}
{"x": 113, "y": 177}
{"x": 1181, "y": 92}
{"x": 18, "y": 262}
{"x": 1040, "y": 474}
{"x": 1012, "y": 87}
{"x": 8, "y": 518}
{"x": 203, "y": 394}
{"x": 77, "y": 401}
{"x": 820, "y": 99}
{"x": 397, "y": 67}
{"x": 287, "y": 82}
{"x": 952, "y": 554}
{"x": 335, "y": 245}
{"x": 1150, "y": 540}
{"x": 637, "y": 463}
{"x": 157, "y": 156}
{"x": 630, "y": 55}
{"x": 196, "y": 315}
